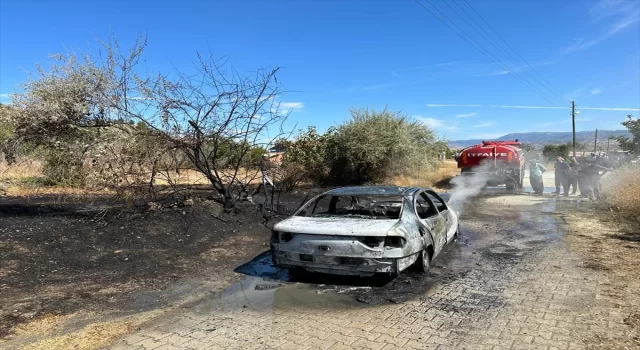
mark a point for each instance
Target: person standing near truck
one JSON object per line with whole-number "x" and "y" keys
{"x": 535, "y": 176}
{"x": 593, "y": 178}
{"x": 562, "y": 176}
{"x": 583, "y": 178}
{"x": 574, "y": 167}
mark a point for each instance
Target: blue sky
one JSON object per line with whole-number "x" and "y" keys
{"x": 336, "y": 55}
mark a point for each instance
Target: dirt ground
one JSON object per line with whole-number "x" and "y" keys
{"x": 529, "y": 272}
{"x": 612, "y": 249}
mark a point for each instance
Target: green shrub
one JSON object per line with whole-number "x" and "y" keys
{"x": 305, "y": 156}
{"x": 552, "y": 151}
{"x": 376, "y": 146}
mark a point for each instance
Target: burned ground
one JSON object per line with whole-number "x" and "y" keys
{"x": 538, "y": 272}
{"x": 63, "y": 254}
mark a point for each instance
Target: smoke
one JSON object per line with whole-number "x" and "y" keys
{"x": 468, "y": 186}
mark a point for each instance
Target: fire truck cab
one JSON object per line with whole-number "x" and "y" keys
{"x": 501, "y": 161}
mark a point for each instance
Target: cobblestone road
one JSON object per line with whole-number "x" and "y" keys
{"x": 510, "y": 283}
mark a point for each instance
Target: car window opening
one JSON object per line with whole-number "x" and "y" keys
{"x": 437, "y": 201}
{"x": 424, "y": 208}
{"x": 355, "y": 206}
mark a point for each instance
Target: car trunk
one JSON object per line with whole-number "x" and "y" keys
{"x": 336, "y": 226}
{"x": 335, "y": 237}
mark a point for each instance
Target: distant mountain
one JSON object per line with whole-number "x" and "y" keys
{"x": 544, "y": 138}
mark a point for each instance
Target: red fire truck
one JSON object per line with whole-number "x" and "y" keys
{"x": 501, "y": 161}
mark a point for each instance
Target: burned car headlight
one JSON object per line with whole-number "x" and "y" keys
{"x": 286, "y": 236}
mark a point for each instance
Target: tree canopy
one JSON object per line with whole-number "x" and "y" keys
{"x": 632, "y": 144}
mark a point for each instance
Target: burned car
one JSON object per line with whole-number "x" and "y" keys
{"x": 365, "y": 230}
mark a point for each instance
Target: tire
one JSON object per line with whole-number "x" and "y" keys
{"x": 297, "y": 273}
{"x": 424, "y": 262}
{"x": 515, "y": 184}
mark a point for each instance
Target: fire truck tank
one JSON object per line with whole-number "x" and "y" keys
{"x": 502, "y": 162}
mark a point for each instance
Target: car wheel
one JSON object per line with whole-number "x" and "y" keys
{"x": 297, "y": 273}
{"x": 424, "y": 262}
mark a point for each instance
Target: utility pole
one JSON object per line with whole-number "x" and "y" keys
{"x": 573, "y": 123}
{"x": 608, "y": 142}
{"x": 595, "y": 143}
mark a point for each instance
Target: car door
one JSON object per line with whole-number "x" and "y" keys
{"x": 451, "y": 222}
{"x": 431, "y": 220}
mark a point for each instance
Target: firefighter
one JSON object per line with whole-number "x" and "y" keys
{"x": 535, "y": 176}
{"x": 562, "y": 176}
{"x": 574, "y": 167}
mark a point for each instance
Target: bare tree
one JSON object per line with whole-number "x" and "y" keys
{"x": 221, "y": 120}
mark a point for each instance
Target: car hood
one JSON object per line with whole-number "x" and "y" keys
{"x": 336, "y": 226}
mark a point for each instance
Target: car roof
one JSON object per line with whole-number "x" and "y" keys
{"x": 374, "y": 190}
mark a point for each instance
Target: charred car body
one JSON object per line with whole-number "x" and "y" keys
{"x": 502, "y": 162}
{"x": 365, "y": 230}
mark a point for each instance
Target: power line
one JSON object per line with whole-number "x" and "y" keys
{"x": 479, "y": 47}
{"x": 576, "y": 115}
{"x": 490, "y": 40}
{"x": 539, "y": 79}
{"x": 516, "y": 52}
{"x": 581, "y": 118}
{"x": 537, "y": 76}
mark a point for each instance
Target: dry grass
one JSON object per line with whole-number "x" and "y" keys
{"x": 51, "y": 333}
{"x": 46, "y": 324}
{"x": 21, "y": 190}
{"x": 193, "y": 177}
{"x": 623, "y": 192}
{"x": 26, "y": 174}
{"x": 23, "y": 168}
{"x": 607, "y": 246}
{"x": 438, "y": 179}
{"x": 94, "y": 336}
